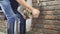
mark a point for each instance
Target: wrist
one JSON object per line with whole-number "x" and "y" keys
{"x": 31, "y": 9}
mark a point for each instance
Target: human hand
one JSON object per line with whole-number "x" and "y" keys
{"x": 35, "y": 13}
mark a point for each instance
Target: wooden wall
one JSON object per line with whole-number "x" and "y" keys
{"x": 49, "y": 19}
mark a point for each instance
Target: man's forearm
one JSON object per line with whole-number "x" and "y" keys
{"x": 22, "y": 2}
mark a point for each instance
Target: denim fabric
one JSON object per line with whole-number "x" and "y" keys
{"x": 11, "y": 17}
{"x": 22, "y": 27}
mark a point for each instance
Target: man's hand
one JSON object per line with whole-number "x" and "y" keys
{"x": 35, "y": 13}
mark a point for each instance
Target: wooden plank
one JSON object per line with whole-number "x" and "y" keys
{"x": 43, "y": 0}
{"x": 55, "y": 12}
{"x": 47, "y": 22}
{"x": 44, "y": 31}
{"x": 48, "y": 7}
{"x": 51, "y": 3}
{"x": 47, "y": 26}
{"x": 52, "y": 17}
{"x": 51, "y": 8}
{"x": 51, "y": 22}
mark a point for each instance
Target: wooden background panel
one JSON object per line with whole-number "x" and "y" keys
{"x": 49, "y": 19}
